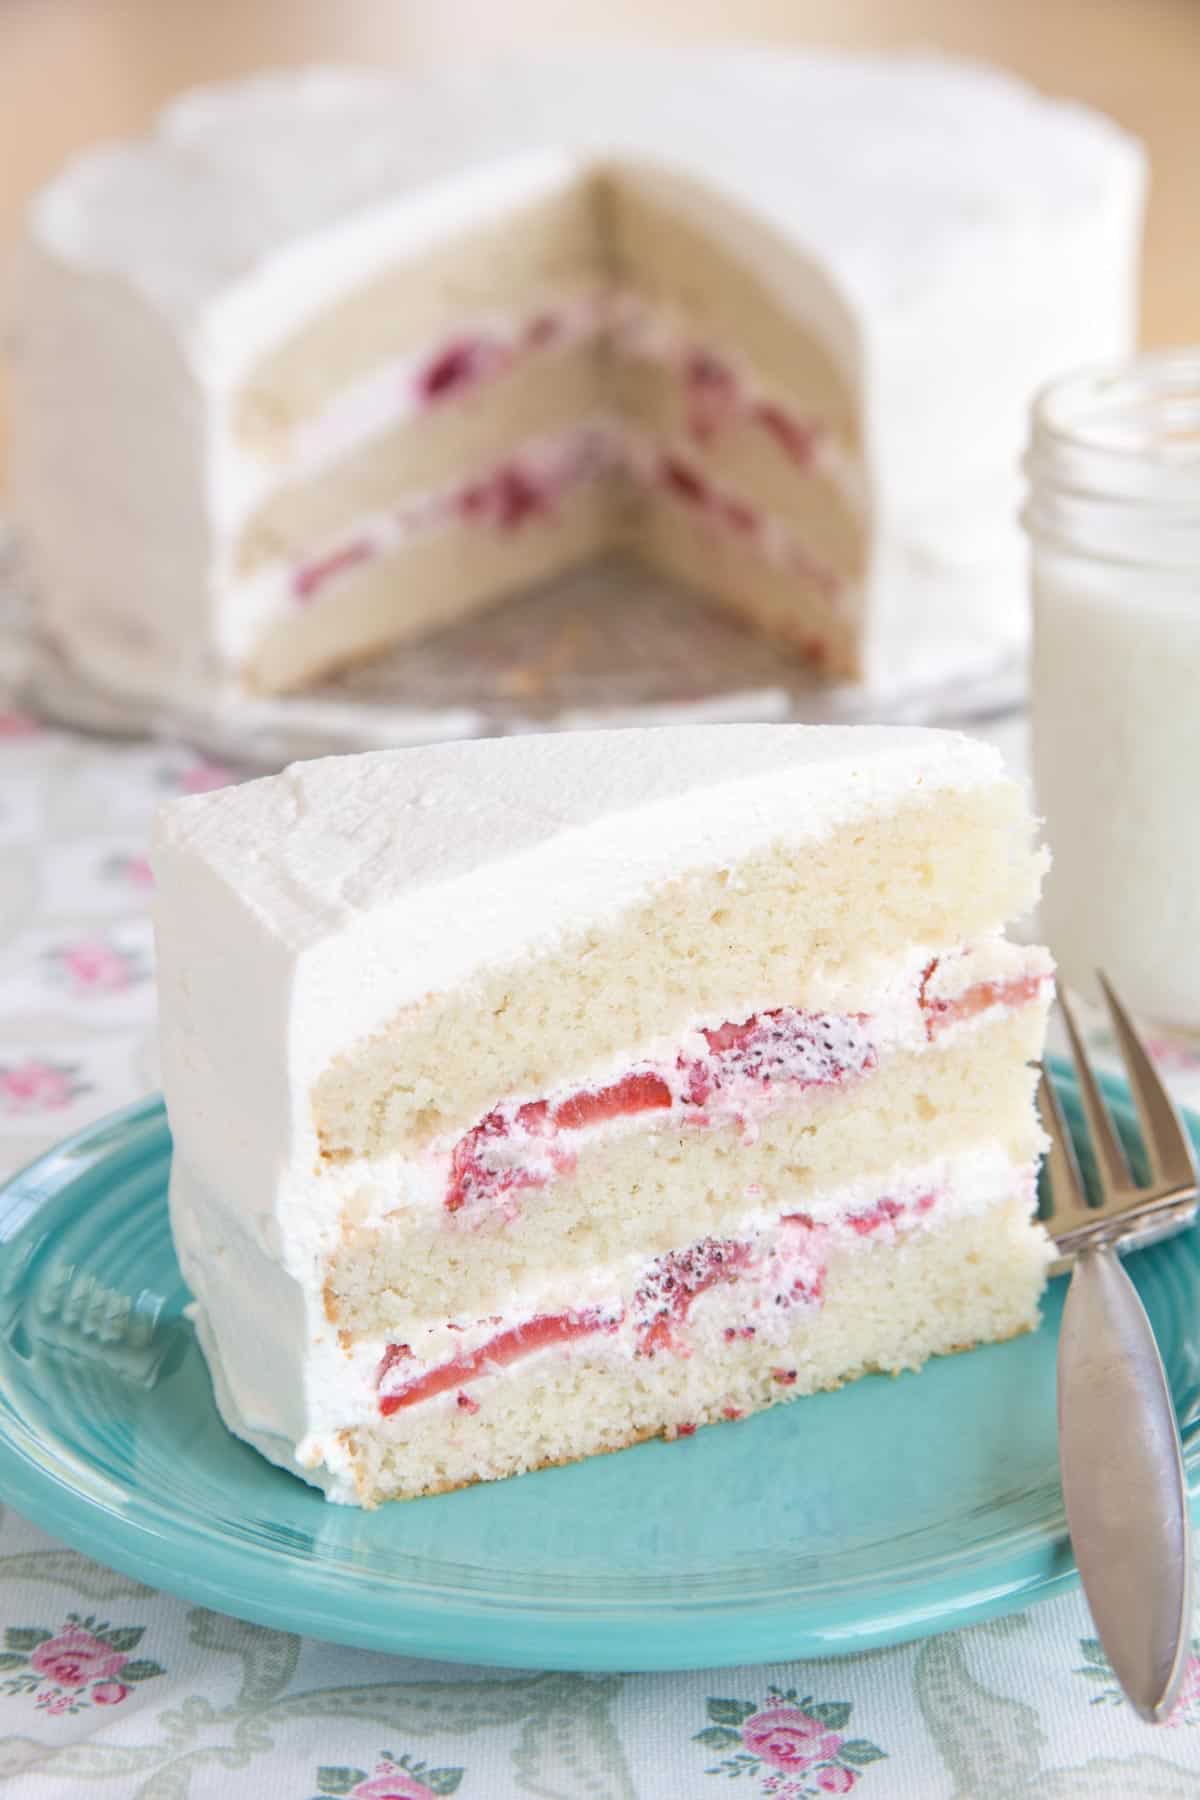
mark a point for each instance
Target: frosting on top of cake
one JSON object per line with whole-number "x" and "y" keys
{"x": 298, "y": 914}
{"x": 891, "y": 170}
{"x": 539, "y": 834}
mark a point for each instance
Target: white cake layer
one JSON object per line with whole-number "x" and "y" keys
{"x": 297, "y": 914}
{"x": 951, "y": 237}
{"x": 290, "y": 1385}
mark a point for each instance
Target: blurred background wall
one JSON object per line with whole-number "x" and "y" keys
{"x": 72, "y": 71}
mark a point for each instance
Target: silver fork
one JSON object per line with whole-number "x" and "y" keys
{"x": 1119, "y": 1450}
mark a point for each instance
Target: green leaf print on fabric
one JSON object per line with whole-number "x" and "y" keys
{"x": 860, "y": 1752}
{"x": 834, "y": 1713}
{"x": 718, "y": 1737}
{"x": 730, "y": 1712}
{"x": 67, "y": 1568}
{"x": 339, "y": 1781}
{"x": 993, "y": 1745}
{"x": 1097, "y": 1668}
{"x": 393, "y": 1777}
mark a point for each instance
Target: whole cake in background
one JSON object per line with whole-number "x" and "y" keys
{"x": 333, "y": 359}
{"x": 534, "y": 1096}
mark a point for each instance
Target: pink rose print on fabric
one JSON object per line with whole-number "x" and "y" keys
{"x": 792, "y": 1747}
{"x": 109, "y": 1693}
{"x": 131, "y": 871}
{"x": 95, "y": 966}
{"x": 393, "y": 1778}
{"x": 392, "y": 1787}
{"x": 789, "y": 1739}
{"x": 76, "y": 1666}
{"x": 1174, "y": 1056}
{"x": 75, "y": 1657}
{"x": 203, "y": 776}
{"x": 1187, "y": 1707}
{"x": 18, "y": 725}
{"x": 1098, "y": 1669}
{"x": 39, "y": 1085}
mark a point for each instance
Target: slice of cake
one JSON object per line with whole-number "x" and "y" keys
{"x": 534, "y": 1096}
{"x": 336, "y": 359}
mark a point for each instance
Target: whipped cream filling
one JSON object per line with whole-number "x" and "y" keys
{"x": 716, "y": 1075}
{"x": 748, "y": 1283}
{"x": 520, "y": 492}
{"x": 720, "y": 389}
{"x": 761, "y": 1271}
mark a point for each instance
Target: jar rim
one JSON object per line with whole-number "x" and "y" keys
{"x": 1143, "y": 407}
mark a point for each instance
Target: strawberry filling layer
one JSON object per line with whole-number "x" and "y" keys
{"x": 717, "y": 392}
{"x": 743, "y": 1068}
{"x": 525, "y": 1146}
{"x": 529, "y": 486}
{"x": 781, "y": 1271}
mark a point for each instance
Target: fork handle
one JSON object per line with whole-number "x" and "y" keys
{"x": 1123, "y": 1482}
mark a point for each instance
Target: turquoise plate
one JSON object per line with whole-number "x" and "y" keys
{"x": 891, "y": 1509}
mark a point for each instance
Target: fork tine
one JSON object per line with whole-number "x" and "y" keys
{"x": 1111, "y": 1165}
{"x": 1067, "y": 1192}
{"x": 1168, "y": 1147}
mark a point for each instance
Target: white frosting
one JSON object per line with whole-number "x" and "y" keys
{"x": 954, "y": 238}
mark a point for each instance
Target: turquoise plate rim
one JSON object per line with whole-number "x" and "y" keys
{"x": 659, "y": 1629}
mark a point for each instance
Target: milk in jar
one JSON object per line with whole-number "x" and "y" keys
{"x": 1114, "y": 517}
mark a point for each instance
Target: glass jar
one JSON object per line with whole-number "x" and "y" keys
{"x": 1114, "y": 517}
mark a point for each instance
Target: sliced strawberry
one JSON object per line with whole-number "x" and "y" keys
{"x": 739, "y": 515}
{"x": 395, "y": 1353}
{"x": 684, "y": 481}
{"x": 672, "y": 1282}
{"x": 313, "y": 575}
{"x": 711, "y": 394}
{"x": 541, "y": 331}
{"x": 1019, "y": 990}
{"x": 637, "y": 1093}
{"x": 729, "y": 1036}
{"x": 794, "y": 437}
{"x": 506, "y": 1347}
{"x": 517, "y": 497}
{"x": 884, "y": 1212}
{"x": 457, "y": 366}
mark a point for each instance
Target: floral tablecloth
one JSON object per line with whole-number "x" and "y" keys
{"x": 108, "y": 1688}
